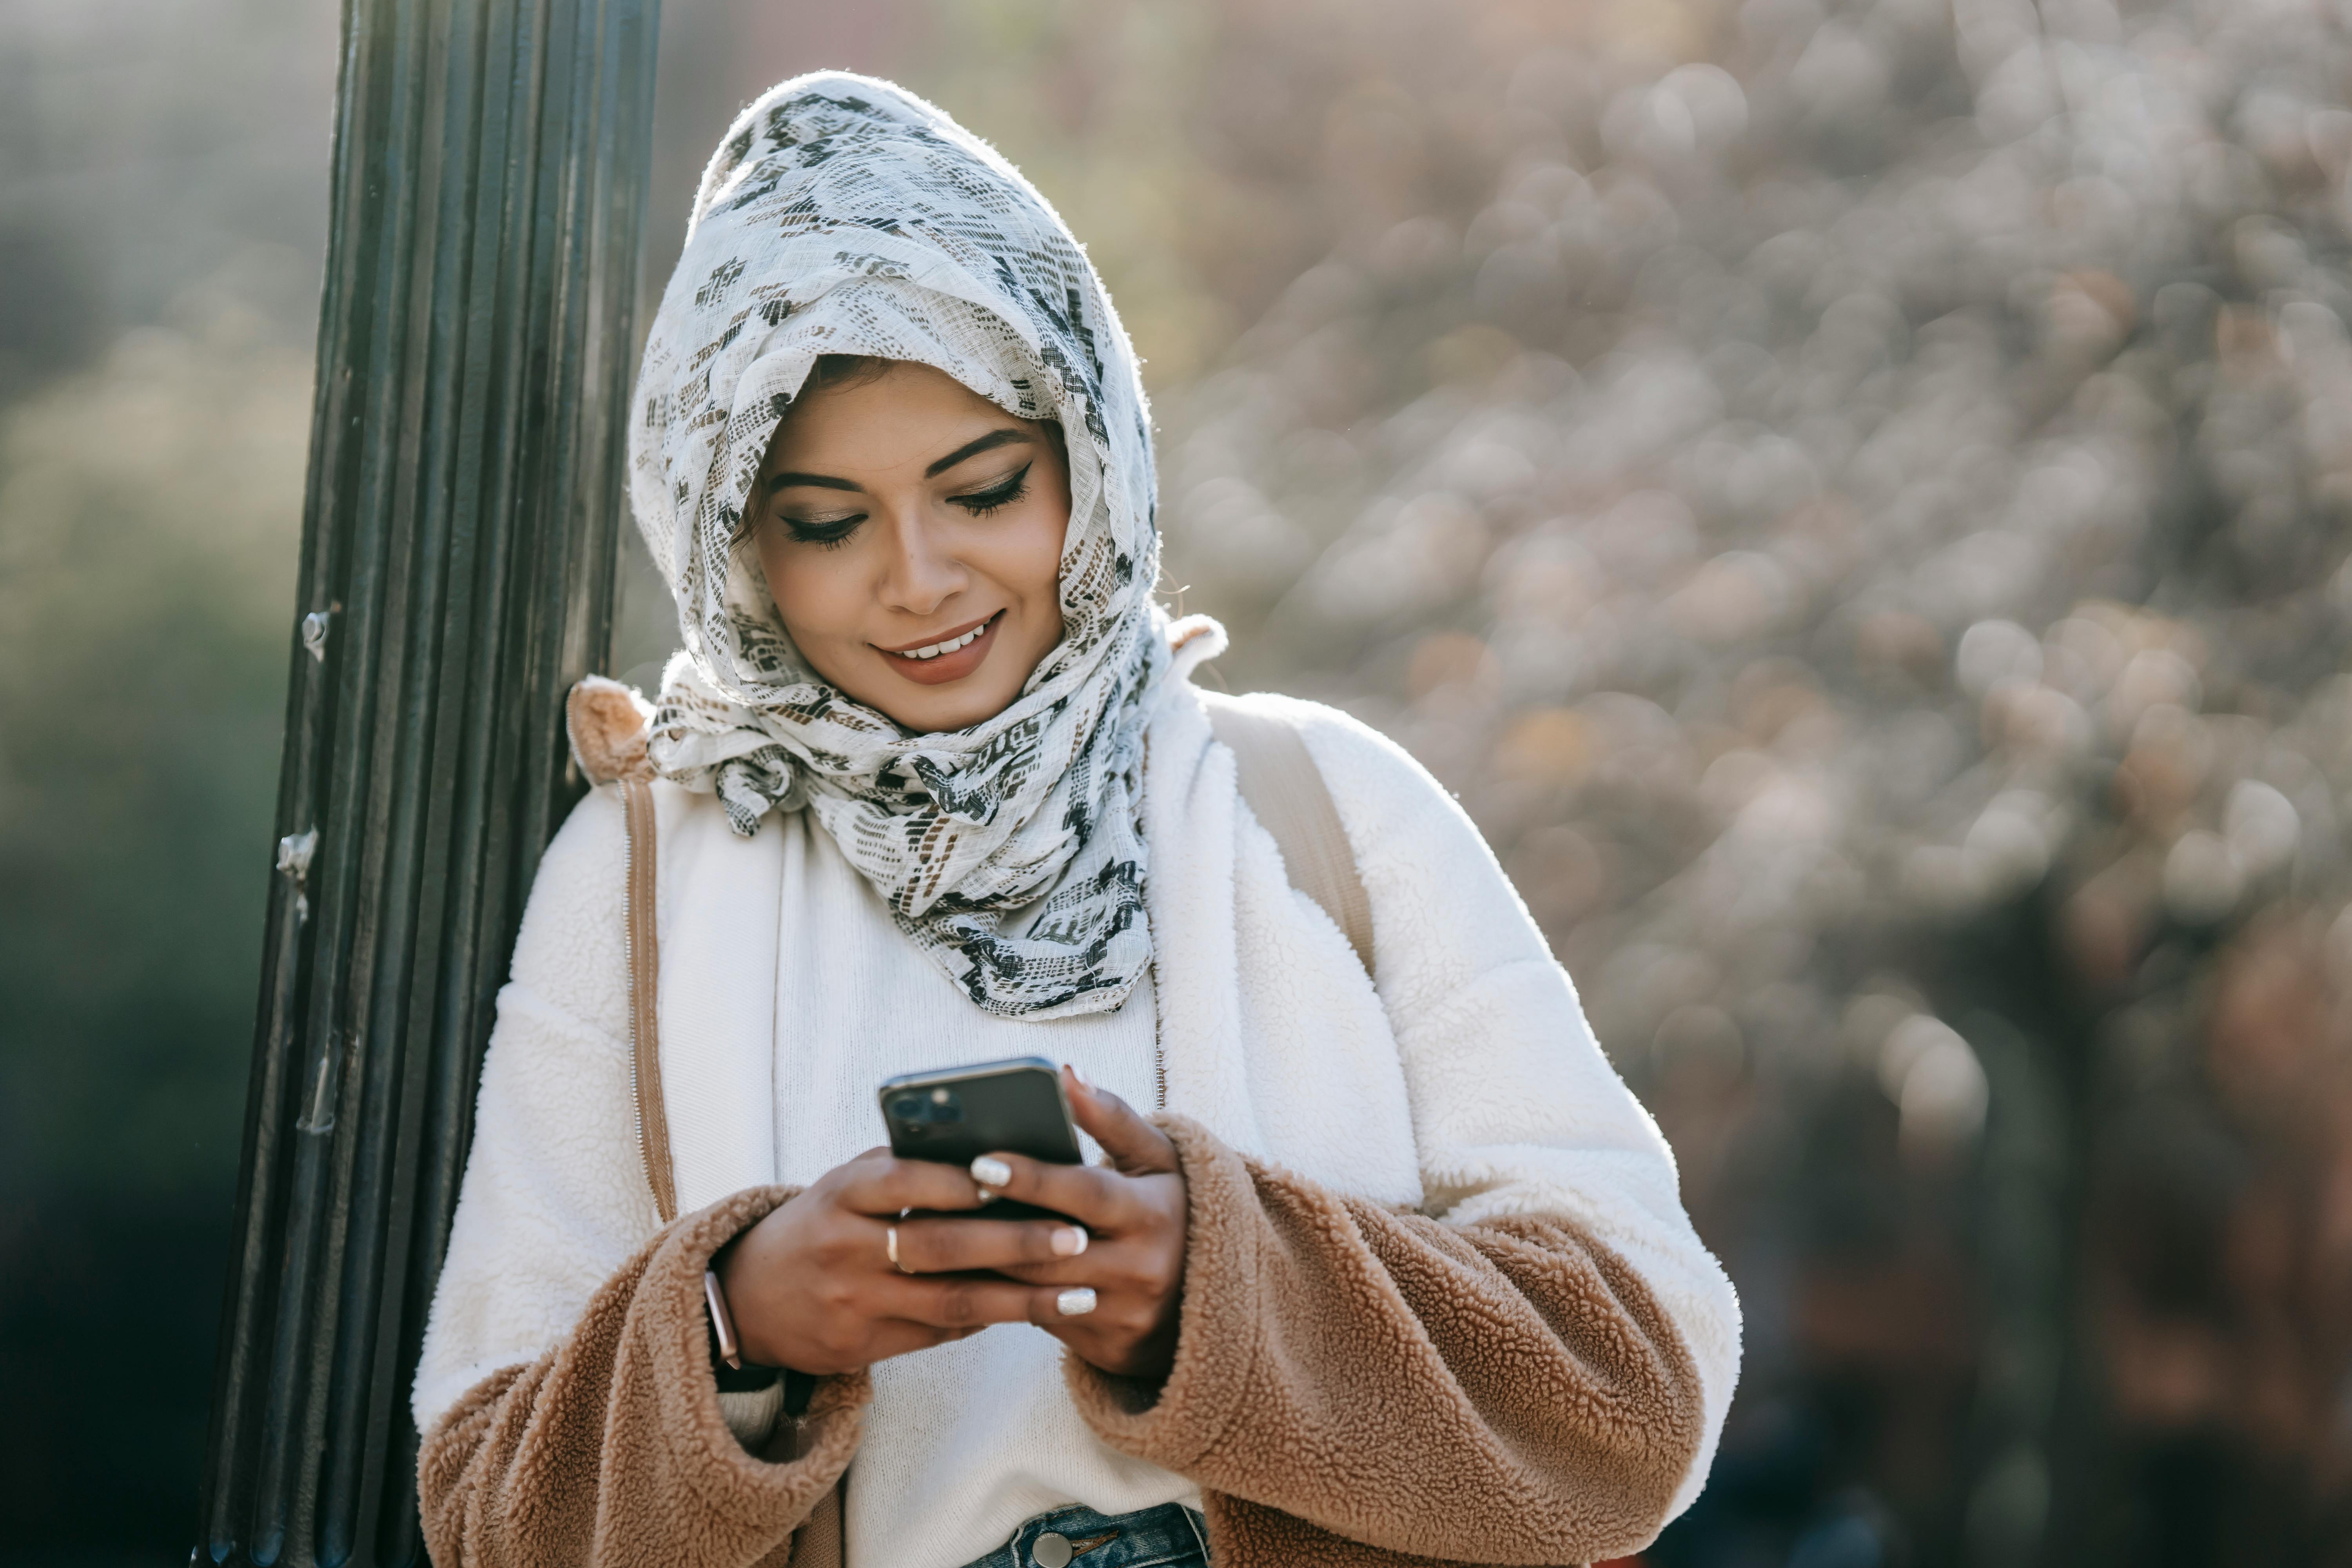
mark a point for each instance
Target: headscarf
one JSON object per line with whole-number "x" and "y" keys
{"x": 844, "y": 216}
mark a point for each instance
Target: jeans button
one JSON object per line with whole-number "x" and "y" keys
{"x": 1051, "y": 1550}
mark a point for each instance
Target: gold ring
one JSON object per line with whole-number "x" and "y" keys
{"x": 890, "y": 1244}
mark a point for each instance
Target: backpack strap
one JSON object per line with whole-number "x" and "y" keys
{"x": 1286, "y": 793}
{"x": 644, "y": 946}
{"x": 607, "y": 723}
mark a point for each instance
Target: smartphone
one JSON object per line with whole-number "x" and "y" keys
{"x": 957, "y": 1114}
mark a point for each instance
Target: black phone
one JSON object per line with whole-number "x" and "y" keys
{"x": 956, "y": 1114}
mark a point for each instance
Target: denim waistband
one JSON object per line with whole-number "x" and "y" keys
{"x": 1169, "y": 1536}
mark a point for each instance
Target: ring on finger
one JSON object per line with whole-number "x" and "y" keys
{"x": 890, "y": 1246}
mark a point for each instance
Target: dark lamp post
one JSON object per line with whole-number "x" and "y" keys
{"x": 475, "y": 339}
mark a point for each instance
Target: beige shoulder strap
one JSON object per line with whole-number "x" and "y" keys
{"x": 1287, "y": 795}
{"x": 643, "y": 943}
{"x": 607, "y": 723}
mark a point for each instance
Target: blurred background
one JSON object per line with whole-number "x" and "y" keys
{"x": 1853, "y": 494}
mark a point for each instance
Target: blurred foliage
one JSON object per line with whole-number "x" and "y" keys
{"x": 162, "y": 208}
{"x": 146, "y": 563}
{"x": 1854, "y": 497}
{"x": 1854, "y": 501}
{"x": 161, "y": 215}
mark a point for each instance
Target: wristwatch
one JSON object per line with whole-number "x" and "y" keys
{"x": 722, "y": 1326}
{"x": 735, "y": 1375}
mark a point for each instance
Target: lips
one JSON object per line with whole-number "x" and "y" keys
{"x": 942, "y": 646}
{"x": 944, "y": 659}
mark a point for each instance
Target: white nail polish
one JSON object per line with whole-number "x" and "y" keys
{"x": 1076, "y": 1302}
{"x": 990, "y": 1172}
{"x": 1068, "y": 1242}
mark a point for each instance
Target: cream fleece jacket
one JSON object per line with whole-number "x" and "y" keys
{"x": 1465, "y": 1087}
{"x": 981, "y": 1431}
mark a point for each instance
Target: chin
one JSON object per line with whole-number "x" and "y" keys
{"x": 938, "y": 709}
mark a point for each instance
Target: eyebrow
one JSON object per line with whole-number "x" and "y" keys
{"x": 823, "y": 481}
{"x": 988, "y": 443}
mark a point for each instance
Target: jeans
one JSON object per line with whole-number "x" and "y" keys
{"x": 1169, "y": 1536}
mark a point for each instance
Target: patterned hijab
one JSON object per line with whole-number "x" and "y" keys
{"x": 844, "y": 216}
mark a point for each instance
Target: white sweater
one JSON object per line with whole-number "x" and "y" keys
{"x": 1467, "y": 1084}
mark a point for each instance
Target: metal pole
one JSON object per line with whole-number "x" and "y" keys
{"x": 474, "y": 338}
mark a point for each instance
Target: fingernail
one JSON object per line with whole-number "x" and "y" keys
{"x": 990, "y": 1172}
{"x": 988, "y": 1194}
{"x": 1068, "y": 1242}
{"x": 1076, "y": 1302}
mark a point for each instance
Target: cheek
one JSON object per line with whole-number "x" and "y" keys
{"x": 809, "y": 587}
{"x": 1046, "y": 561}
{"x": 1034, "y": 566}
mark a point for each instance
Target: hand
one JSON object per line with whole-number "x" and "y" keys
{"x": 1135, "y": 1216}
{"x": 812, "y": 1285}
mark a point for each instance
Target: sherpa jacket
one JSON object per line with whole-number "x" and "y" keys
{"x": 1440, "y": 1299}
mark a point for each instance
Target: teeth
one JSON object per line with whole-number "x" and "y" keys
{"x": 949, "y": 646}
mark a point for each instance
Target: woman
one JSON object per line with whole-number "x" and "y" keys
{"x": 1395, "y": 1271}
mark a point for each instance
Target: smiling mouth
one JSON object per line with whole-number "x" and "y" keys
{"x": 947, "y": 645}
{"x": 945, "y": 658}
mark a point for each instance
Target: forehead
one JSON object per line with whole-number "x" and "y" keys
{"x": 906, "y": 416}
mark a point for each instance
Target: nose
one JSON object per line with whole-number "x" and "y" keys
{"x": 920, "y": 573}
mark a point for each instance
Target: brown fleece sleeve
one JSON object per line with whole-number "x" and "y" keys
{"x": 1357, "y": 1386}
{"x": 610, "y": 1450}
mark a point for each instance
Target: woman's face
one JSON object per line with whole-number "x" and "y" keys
{"x": 911, "y": 534}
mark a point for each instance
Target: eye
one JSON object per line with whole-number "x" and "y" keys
{"x": 1002, "y": 494}
{"x": 825, "y": 532}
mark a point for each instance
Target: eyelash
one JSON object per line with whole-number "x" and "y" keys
{"x": 823, "y": 535}
{"x": 981, "y": 502}
{"x": 978, "y": 504}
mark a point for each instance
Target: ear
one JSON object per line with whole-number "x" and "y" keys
{"x": 608, "y": 723}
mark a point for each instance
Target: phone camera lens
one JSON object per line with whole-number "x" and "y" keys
{"x": 907, "y": 1108}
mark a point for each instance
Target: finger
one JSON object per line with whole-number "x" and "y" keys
{"x": 957, "y": 1301}
{"x": 1108, "y": 1265}
{"x": 888, "y": 1186}
{"x": 1053, "y": 1307}
{"x": 1134, "y": 1145}
{"x": 961, "y": 1245}
{"x": 1090, "y": 1270}
{"x": 1094, "y": 1195}
{"x": 1061, "y": 1271}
